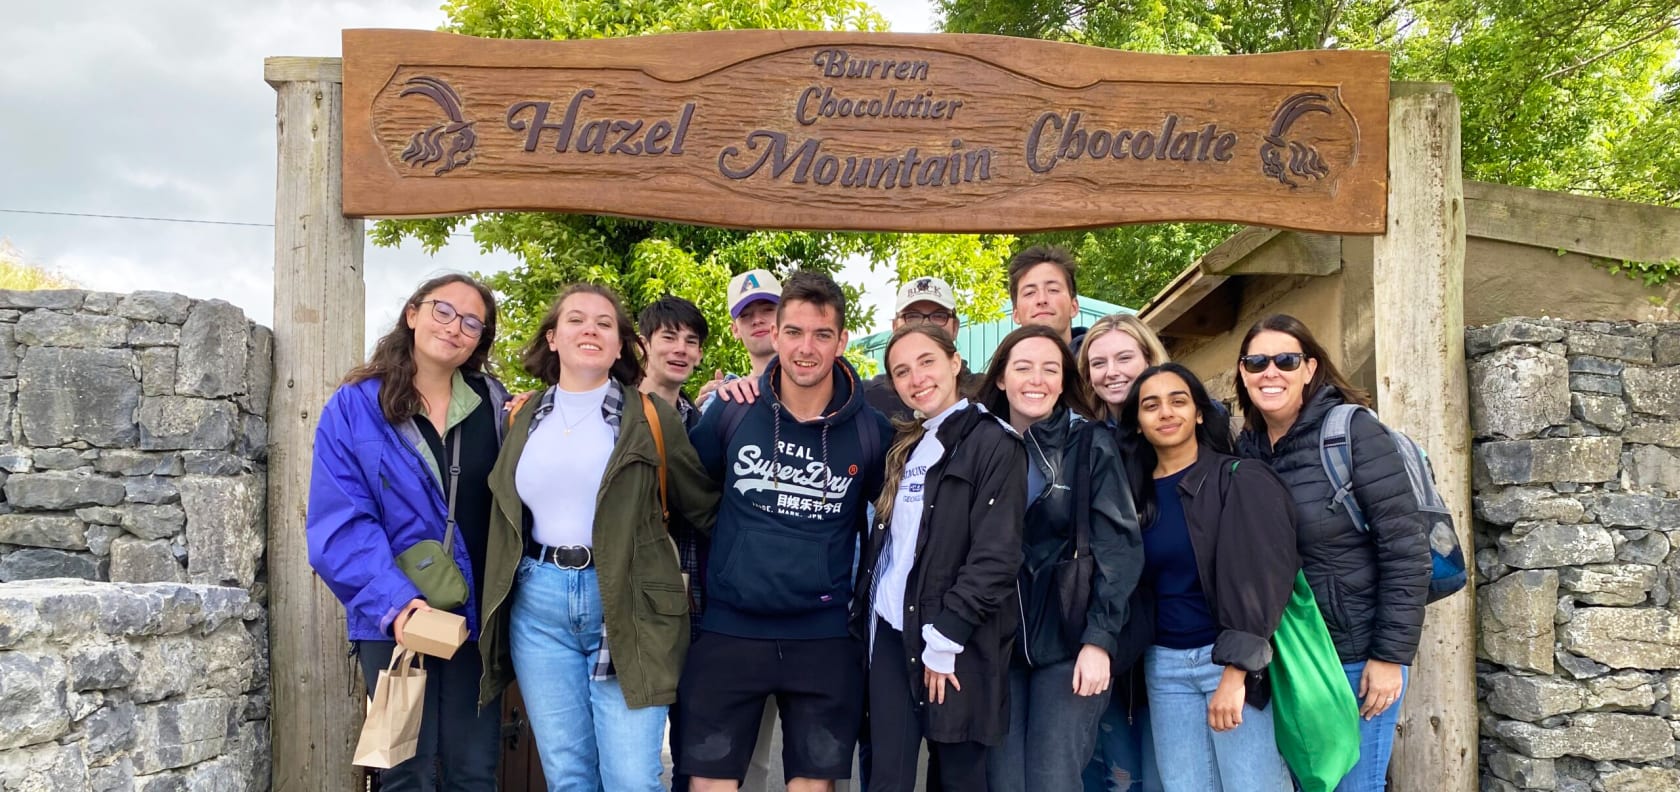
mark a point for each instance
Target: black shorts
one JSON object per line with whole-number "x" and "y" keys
{"x": 819, "y": 690}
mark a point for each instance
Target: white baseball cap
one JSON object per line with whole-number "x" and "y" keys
{"x": 929, "y": 289}
{"x": 751, "y": 286}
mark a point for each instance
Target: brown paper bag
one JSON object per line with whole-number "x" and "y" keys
{"x": 435, "y": 632}
{"x": 392, "y": 728}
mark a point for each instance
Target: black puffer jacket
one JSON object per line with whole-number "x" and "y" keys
{"x": 1371, "y": 586}
{"x": 1052, "y": 630}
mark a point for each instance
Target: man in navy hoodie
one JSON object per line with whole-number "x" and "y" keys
{"x": 797, "y": 466}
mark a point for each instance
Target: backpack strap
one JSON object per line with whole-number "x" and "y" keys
{"x": 1082, "y": 492}
{"x": 734, "y": 412}
{"x": 652, "y": 412}
{"x": 1335, "y": 453}
{"x": 515, "y": 403}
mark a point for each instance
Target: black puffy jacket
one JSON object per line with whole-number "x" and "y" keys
{"x": 1372, "y": 585}
{"x": 1053, "y": 630}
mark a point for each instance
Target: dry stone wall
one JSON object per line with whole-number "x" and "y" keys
{"x": 1577, "y": 507}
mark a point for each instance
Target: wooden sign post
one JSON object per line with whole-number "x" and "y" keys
{"x": 865, "y": 131}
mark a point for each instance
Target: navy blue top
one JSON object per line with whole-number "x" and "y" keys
{"x": 1182, "y": 617}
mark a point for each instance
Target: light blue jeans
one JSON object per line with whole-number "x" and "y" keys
{"x": 1193, "y": 757}
{"x": 1376, "y": 737}
{"x": 588, "y": 738}
{"x": 1125, "y": 757}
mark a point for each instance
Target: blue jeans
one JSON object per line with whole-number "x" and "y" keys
{"x": 1191, "y": 756}
{"x": 1125, "y": 757}
{"x": 1376, "y": 737}
{"x": 588, "y": 738}
{"x": 1052, "y": 731}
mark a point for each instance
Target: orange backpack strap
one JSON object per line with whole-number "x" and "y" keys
{"x": 659, "y": 443}
{"x": 514, "y": 403}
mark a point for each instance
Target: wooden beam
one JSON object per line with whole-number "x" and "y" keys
{"x": 1292, "y": 253}
{"x": 318, "y": 306}
{"x": 1418, "y": 292}
{"x": 1179, "y": 297}
{"x": 1576, "y": 223}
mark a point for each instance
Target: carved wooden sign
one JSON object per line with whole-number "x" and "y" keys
{"x": 862, "y": 131}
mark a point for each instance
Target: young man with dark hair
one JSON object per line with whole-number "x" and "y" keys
{"x": 926, "y": 300}
{"x": 797, "y": 465}
{"x": 673, "y": 333}
{"x": 1045, "y": 291}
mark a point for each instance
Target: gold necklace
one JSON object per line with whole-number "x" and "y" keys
{"x": 565, "y": 423}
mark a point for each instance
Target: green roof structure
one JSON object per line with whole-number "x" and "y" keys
{"x": 975, "y": 342}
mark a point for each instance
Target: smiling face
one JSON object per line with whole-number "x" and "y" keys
{"x": 1042, "y": 297}
{"x": 1032, "y": 380}
{"x": 808, "y": 339}
{"x": 923, "y": 374}
{"x": 439, "y": 344}
{"x": 756, "y": 328}
{"x": 1166, "y": 412}
{"x": 1116, "y": 360}
{"x": 1276, "y": 393}
{"x": 672, "y": 353}
{"x": 586, "y": 337}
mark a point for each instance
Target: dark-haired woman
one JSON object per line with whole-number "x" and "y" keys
{"x": 1073, "y": 605}
{"x": 939, "y": 573}
{"x": 381, "y": 484}
{"x": 1371, "y": 583}
{"x": 584, "y": 596}
{"x": 1220, "y": 565}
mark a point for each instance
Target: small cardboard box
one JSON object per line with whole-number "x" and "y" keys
{"x": 434, "y": 632}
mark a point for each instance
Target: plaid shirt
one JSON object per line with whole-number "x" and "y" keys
{"x": 612, "y": 411}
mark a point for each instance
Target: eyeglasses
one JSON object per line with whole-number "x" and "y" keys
{"x": 1286, "y": 361}
{"x": 933, "y": 317}
{"x": 445, "y": 313}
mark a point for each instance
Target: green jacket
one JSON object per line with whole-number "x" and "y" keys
{"x": 643, "y": 600}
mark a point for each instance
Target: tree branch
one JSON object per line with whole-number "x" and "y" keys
{"x": 1567, "y": 70}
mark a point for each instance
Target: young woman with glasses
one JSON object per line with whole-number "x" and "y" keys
{"x": 1370, "y": 582}
{"x": 384, "y": 481}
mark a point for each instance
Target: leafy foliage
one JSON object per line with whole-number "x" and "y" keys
{"x": 17, "y": 274}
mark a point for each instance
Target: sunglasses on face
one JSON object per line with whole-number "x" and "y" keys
{"x": 445, "y": 313}
{"x": 1286, "y": 361}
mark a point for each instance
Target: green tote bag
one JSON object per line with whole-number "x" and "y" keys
{"x": 1313, "y": 708}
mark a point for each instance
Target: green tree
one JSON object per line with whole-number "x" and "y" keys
{"x": 643, "y": 260}
{"x": 1555, "y": 94}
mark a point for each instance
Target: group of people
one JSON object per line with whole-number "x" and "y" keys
{"x": 1061, "y": 572}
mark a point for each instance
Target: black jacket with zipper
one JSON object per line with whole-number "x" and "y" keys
{"x": 963, "y": 578}
{"x": 1371, "y": 585}
{"x": 1242, "y": 531}
{"x": 1052, "y": 628}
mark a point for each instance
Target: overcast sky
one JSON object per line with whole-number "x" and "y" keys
{"x": 159, "y": 109}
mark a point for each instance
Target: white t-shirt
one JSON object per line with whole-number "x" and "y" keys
{"x": 559, "y": 474}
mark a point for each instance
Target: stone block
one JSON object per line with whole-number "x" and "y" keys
{"x": 1654, "y": 391}
{"x": 9, "y": 352}
{"x": 1647, "y": 638}
{"x": 225, "y": 528}
{"x": 61, "y": 490}
{"x": 157, "y": 371}
{"x": 1522, "y": 771}
{"x": 154, "y": 334}
{"x": 1605, "y": 584}
{"x": 214, "y": 463}
{"x": 1632, "y": 349}
{"x": 1595, "y": 365}
{"x": 1606, "y": 412}
{"x": 1482, "y": 340}
{"x": 154, "y": 522}
{"x": 100, "y": 515}
{"x": 1595, "y": 383}
{"x": 1654, "y": 468}
{"x": 228, "y": 660}
{"x": 43, "y": 530}
{"x": 1516, "y": 620}
{"x": 81, "y": 331}
{"x": 213, "y": 351}
{"x": 98, "y": 302}
{"x": 1523, "y": 504}
{"x": 117, "y": 776}
{"x": 19, "y": 620}
{"x": 1517, "y": 391}
{"x": 110, "y": 731}
{"x": 175, "y": 734}
{"x": 144, "y": 561}
{"x": 166, "y": 669}
{"x": 15, "y": 459}
{"x": 1539, "y": 545}
{"x": 1642, "y": 779}
{"x": 1643, "y": 547}
{"x": 42, "y": 563}
{"x": 123, "y": 462}
{"x": 181, "y": 422}
{"x": 1606, "y": 736}
{"x": 152, "y": 490}
{"x": 1637, "y": 511}
{"x": 259, "y": 371}
{"x": 33, "y": 706}
{"x": 1665, "y": 348}
{"x": 1626, "y": 691}
{"x": 48, "y": 767}
{"x": 1576, "y": 459}
{"x": 56, "y": 299}
{"x": 1534, "y": 698}
{"x": 102, "y": 666}
{"x": 99, "y": 538}
{"x": 155, "y": 306}
{"x": 253, "y": 440}
{"x": 57, "y": 459}
{"x": 1662, "y": 433}
{"x": 69, "y": 395}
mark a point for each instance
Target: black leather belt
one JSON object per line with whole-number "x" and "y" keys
{"x": 574, "y": 557}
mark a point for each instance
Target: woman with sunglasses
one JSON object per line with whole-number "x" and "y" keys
{"x": 1370, "y": 582}
{"x": 584, "y": 596}
{"x": 938, "y": 574}
{"x": 402, "y": 463}
{"x": 1072, "y": 603}
{"x": 1220, "y": 565}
